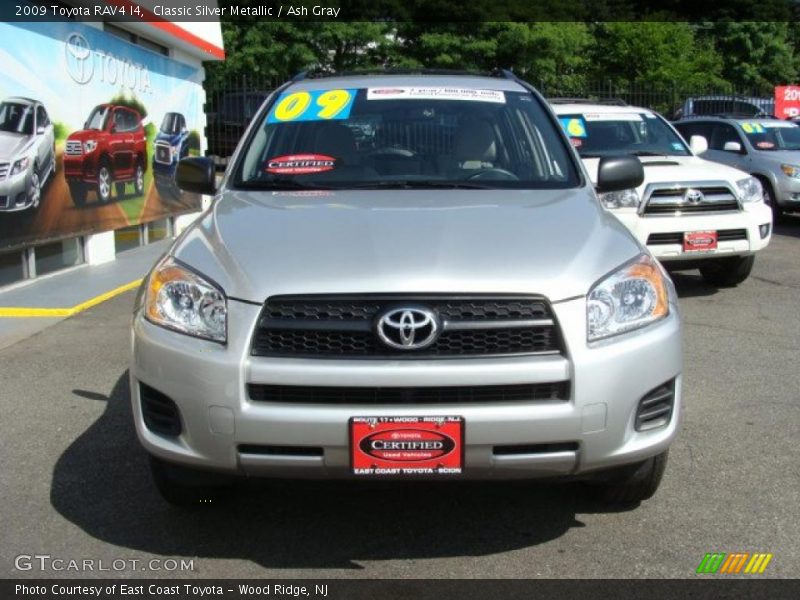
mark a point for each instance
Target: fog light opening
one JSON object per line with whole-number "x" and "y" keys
{"x": 764, "y": 230}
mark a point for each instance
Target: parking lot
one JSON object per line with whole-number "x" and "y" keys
{"x": 75, "y": 483}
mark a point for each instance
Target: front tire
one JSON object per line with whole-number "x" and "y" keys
{"x": 35, "y": 188}
{"x": 78, "y": 193}
{"x": 138, "y": 179}
{"x": 188, "y": 488}
{"x": 103, "y": 185}
{"x": 728, "y": 272}
{"x": 633, "y": 484}
{"x": 769, "y": 198}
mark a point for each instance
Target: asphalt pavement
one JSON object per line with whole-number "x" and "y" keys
{"x": 74, "y": 483}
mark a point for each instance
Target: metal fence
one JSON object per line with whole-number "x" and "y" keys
{"x": 233, "y": 101}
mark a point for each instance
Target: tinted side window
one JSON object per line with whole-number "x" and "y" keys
{"x": 723, "y": 133}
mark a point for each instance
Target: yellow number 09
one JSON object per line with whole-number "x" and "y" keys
{"x": 292, "y": 106}
{"x": 332, "y": 102}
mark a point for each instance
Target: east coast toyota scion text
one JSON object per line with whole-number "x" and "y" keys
{"x": 407, "y": 276}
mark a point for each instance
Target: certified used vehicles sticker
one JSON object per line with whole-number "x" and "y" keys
{"x": 407, "y": 445}
{"x": 300, "y": 164}
{"x": 435, "y": 93}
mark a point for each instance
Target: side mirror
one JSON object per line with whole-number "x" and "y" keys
{"x": 40, "y": 130}
{"x": 698, "y": 144}
{"x": 196, "y": 174}
{"x": 732, "y": 147}
{"x": 615, "y": 173}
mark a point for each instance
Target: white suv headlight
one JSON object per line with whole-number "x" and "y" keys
{"x": 750, "y": 189}
{"x": 180, "y": 299}
{"x": 622, "y": 199}
{"x": 633, "y": 296}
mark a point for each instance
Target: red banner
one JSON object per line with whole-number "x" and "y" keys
{"x": 787, "y": 101}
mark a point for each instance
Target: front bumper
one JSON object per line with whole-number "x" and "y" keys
{"x": 750, "y": 219}
{"x": 81, "y": 168}
{"x": 208, "y": 383}
{"x": 14, "y": 192}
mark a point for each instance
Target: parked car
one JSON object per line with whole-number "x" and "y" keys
{"x": 109, "y": 151}
{"x": 227, "y": 123}
{"x": 27, "y": 153}
{"x": 768, "y": 149}
{"x": 444, "y": 299}
{"x": 691, "y": 213}
{"x": 170, "y": 146}
{"x": 746, "y": 106}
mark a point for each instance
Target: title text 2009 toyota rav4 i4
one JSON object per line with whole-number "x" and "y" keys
{"x": 407, "y": 277}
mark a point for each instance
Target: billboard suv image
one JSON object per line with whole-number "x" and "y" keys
{"x": 109, "y": 150}
{"x": 171, "y": 145}
{"x": 27, "y": 153}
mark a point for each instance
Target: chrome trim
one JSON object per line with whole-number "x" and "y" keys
{"x": 680, "y": 187}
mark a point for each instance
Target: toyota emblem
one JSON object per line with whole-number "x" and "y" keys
{"x": 693, "y": 196}
{"x": 408, "y": 328}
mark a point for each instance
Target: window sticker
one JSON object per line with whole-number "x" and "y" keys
{"x": 612, "y": 116}
{"x": 576, "y": 142}
{"x": 317, "y": 105}
{"x": 765, "y": 145}
{"x": 575, "y": 127}
{"x": 300, "y": 164}
{"x": 777, "y": 124}
{"x": 752, "y": 127}
{"x": 436, "y": 93}
{"x": 677, "y": 146}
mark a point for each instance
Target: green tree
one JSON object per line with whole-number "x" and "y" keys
{"x": 756, "y": 55}
{"x": 657, "y": 54}
{"x": 131, "y": 101}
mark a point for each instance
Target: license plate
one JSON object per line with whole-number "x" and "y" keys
{"x": 694, "y": 241}
{"x": 402, "y": 446}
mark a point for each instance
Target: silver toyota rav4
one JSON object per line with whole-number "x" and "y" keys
{"x": 406, "y": 277}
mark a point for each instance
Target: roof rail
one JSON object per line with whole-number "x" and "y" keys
{"x": 603, "y": 101}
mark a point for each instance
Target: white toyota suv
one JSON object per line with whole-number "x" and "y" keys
{"x": 691, "y": 213}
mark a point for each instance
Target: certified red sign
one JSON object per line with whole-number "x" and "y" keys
{"x": 300, "y": 164}
{"x": 787, "y": 101}
{"x": 699, "y": 240}
{"x": 407, "y": 445}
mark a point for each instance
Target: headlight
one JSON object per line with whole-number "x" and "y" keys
{"x": 791, "y": 171}
{"x": 621, "y": 199}
{"x": 633, "y": 296}
{"x": 750, "y": 189}
{"x": 88, "y": 147}
{"x": 20, "y": 166}
{"x": 180, "y": 299}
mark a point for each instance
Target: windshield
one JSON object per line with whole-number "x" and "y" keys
{"x": 406, "y": 137}
{"x": 97, "y": 119}
{"x": 16, "y": 118}
{"x": 639, "y": 133}
{"x": 771, "y": 136}
{"x": 172, "y": 123}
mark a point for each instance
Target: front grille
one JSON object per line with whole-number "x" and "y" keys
{"x": 4, "y": 169}
{"x": 344, "y": 326}
{"x": 73, "y": 148}
{"x": 163, "y": 153}
{"x": 676, "y": 237}
{"x": 291, "y": 394}
{"x": 655, "y": 408}
{"x": 669, "y": 200}
{"x": 160, "y": 413}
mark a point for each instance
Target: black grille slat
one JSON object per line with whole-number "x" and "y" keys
{"x": 538, "y": 392}
{"x": 676, "y": 237}
{"x": 343, "y": 326}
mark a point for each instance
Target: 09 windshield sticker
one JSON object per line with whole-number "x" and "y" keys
{"x": 299, "y": 164}
{"x": 574, "y": 127}
{"x": 317, "y": 105}
{"x": 436, "y": 93}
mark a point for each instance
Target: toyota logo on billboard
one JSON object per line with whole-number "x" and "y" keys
{"x": 80, "y": 65}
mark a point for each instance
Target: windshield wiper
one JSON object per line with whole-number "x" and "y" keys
{"x": 282, "y": 183}
{"x": 419, "y": 185}
{"x": 648, "y": 153}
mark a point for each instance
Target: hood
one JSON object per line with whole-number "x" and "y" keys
{"x": 86, "y": 134}
{"x": 551, "y": 242}
{"x": 12, "y": 145}
{"x": 676, "y": 169}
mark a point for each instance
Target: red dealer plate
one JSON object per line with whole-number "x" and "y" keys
{"x": 699, "y": 240}
{"x": 407, "y": 445}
